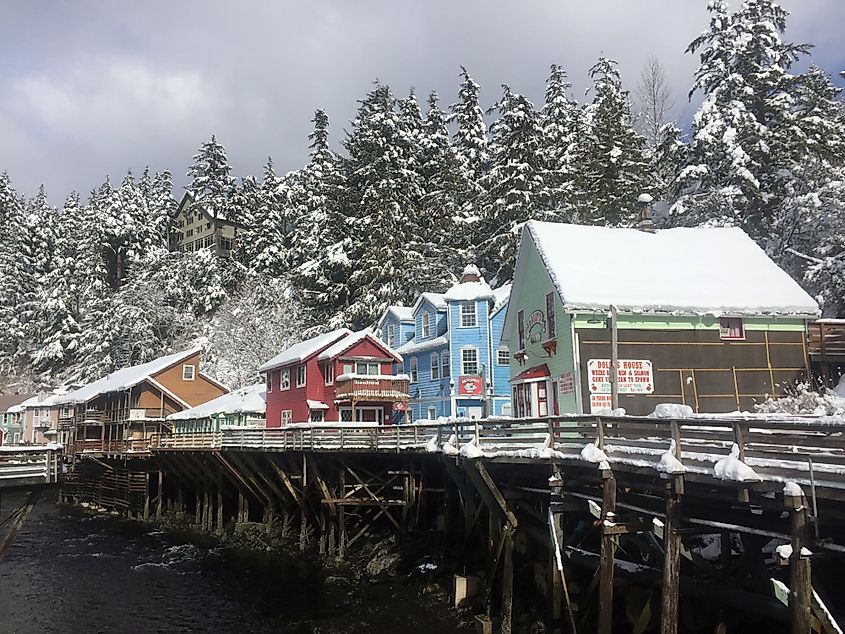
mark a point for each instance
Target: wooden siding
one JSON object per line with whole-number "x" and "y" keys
{"x": 196, "y": 392}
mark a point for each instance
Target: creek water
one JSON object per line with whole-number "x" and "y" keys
{"x": 69, "y": 571}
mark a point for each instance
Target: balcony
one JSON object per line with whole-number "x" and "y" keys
{"x": 362, "y": 387}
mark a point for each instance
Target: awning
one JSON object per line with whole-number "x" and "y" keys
{"x": 537, "y": 372}
{"x": 316, "y": 404}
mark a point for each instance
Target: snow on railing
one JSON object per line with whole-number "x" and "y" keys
{"x": 28, "y": 465}
{"x": 809, "y": 451}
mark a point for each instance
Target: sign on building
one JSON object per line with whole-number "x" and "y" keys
{"x": 634, "y": 376}
{"x": 567, "y": 383}
{"x": 599, "y": 402}
{"x": 470, "y": 385}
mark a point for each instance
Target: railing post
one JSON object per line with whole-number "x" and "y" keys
{"x": 552, "y": 433}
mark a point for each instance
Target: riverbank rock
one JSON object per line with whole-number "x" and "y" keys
{"x": 384, "y": 561}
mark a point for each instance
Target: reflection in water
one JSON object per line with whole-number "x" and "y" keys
{"x": 69, "y": 572}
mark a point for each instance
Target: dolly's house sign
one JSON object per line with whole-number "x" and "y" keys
{"x": 470, "y": 385}
{"x": 536, "y": 326}
{"x": 634, "y": 376}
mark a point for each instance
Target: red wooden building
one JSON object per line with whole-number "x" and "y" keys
{"x": 340, "y": 376}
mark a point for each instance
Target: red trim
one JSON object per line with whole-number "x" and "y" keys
{"x": 537, "y": 372}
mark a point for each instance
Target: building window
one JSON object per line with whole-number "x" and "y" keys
{"x": 435, "y": 366}
{"x": 391, "y": 335}
{"x": 413, "y": 366}
{"x": 189, "y": 233}
{"x": 520, "y": 318}
{"x": 300, "y": 375}
{"x": 348, "y": 368}
{"x": 550, "y": 315}
{"x": 287, "y": 417}
{"x": 469, "y": 318}
{"x": 469, "y": 361}
{"x": 503, "y": 356}
{"x": 445, "y": 371}
{"x": 188, "y": 372}
{"x": 432, "y": 413}
{"x": 269, "y": 382}
{"x": 226, "y": 244}
{"x": 345, "y": 414}
{"x": 208, "y": 241}
{"x": 328, "y": 372}
{"x": 731, "y": 328}
{"x": 284, "y": 379}
{"x": 317, "y": 416}
{"x": 208, "y": 225}
{"x": 366, "y": 367}
{"x": 426, "y": 326}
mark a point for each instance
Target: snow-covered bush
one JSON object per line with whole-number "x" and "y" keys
{"x": 802, "y": 399}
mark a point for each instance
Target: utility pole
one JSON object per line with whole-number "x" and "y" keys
{"x": 614, "y": 358}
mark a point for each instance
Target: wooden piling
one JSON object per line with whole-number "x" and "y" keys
{"x": 507, "y": 581}
{"x": 608, "y": 548}
{"x": 671, "y": 558}
{"x": 800, "y": 581}
{"x": 147, "y": 496}
{"x": 220, "y": 516}
{"x": 160, "y": 500}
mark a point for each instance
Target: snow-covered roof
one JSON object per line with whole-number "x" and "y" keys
{"x": 123, "y": 379}
{"x": 350, "y": 340}
{"x": 304, "y": 349}
{"x": 403, "y": 313}
{"x": 250, "y": 399}
{"x": 685, "y": 270}
{"x": 469, "y": 291}
{"x": 316, "y": 404}
{"x": 412, "y": 346}
{"x": 501, "y": 296}
{"x": 436, "y": 299}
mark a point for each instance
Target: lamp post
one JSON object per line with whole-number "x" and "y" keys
{"x": 614, "y": 358}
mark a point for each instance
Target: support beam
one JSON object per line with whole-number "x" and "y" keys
{"x": 507, "y": 581}
{"x": 608, "y": 550}
{"x": 800, "y": 582}
{"x": 671, "y": 558}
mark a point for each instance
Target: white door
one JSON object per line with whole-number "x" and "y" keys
{"x": 474, "y": 412}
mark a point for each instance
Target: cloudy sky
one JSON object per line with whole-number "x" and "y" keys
{"x": 89, "y": 88}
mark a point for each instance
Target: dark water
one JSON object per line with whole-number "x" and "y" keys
{"x": 70, "y": 572}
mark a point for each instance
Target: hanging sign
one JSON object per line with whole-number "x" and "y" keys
{"x": 470, "y": 385}
{"x": 598, "y": 402}
{"x": 633, "y": 376}
{"x": 399, "y": 406}
{"x": 536, "y": 326}
{"x": 567, "y": 383}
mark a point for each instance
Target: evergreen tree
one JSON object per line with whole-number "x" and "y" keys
{"x": 515, "y": 189}
{"x": 612, "y": 168}
{"x": 560, "y": 122}
{"x": 212, "y": 185}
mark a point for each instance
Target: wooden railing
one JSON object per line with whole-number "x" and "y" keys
{"x": 826, "y": 338}
{"x": 808, "y": 451}
{"x": 26, "y": 466}
{"x": 115, "y": 447}
{"x": 371, "y": 389}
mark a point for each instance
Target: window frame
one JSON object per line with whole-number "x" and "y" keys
{"x": 434, "y": 366}
{"x": 193, "y": 372}
{"x": 391, "y": 335}
{"x": 316, "y": 416}
{"x": 464, "y": 362}
{"x": 328, "y": 373}
{"x": 286, "y": 414}
{"x": 284, "y": 379}
{"x": 268, "y": 382}
{"x": 499, "y": 356}
{"x": 301, "y": 375}
{"x": 729, "y": 323}
{"x": 413, "y": 369}
{"x": 425, "y": 325}
{"x": 464, "y": 314}
{"x": 367, "y": 366}
{"x": 520, "y": 319}
{"x": 445, "y": 367}
{"x": 431, "y": 412}
{"x": 551, "y": 326}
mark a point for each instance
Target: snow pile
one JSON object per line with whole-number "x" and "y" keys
{"x": 791, "y": 489}
{"x": 802, "y": 399}
{"x": 784, "y": 551}
{"x": 591, "y": 453}
{"x": 450, "y": 447}
{"x": 431, "y": 445}
{"x": 672, "y": 410}
{"x": 471, "y": 450}
{"x": 607, "y": 411}
{"x": 756, "y": 286}
{"x": 669, "y": 463}
{"x": 732, "y": 468}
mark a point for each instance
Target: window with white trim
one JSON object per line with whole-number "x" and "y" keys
{"x": 287, "y": 416}
{"x": 469, "y": 361}
{"x": 426, "y": 326}
{"x": 328, "y": 372}
{"x": 432, "y": 413}
{"x": 367, "y": 367}
{"x": 284, "y": 379}
{"x": 391, "y": 335}
{"x": 316, "y": 416}
{"x": 413, "y": 366}
{"x": 435, "y": 366}
{"x": 189, "y": 372}
{"x": 348, "y": 368}
{"x": 445, "y": 370}
{"x": 503, "y": 356}
{"x": 731, "y": 328}
{"x": 469, "y": 317}
{"x": 300, "y": 375}
{"x": 345, "y": 414}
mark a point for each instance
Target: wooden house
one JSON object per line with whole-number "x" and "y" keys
{"x": 340, "y": 376}
{"x": 119, "y": 413}
{"x": 703, "y": 318}
{"x": 194, "y": 229}
{"x": 240, "y": 408}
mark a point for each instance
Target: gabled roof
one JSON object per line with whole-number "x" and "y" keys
{"x": 350, "y": 340}
{"x": 435, "y": 299}
{"x": 297, "y": 353}
{"x": 250, "y": 399}
{"x": 411, "y": 347}
{"x": 402, "y": 313}
{"x": 188, "y": 199}
{"x": 122, "y": 379}
{"x": 469, "y": 291}
{"x": 701, "y": 270}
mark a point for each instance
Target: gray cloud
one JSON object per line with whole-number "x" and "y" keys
{"x": 92, "y": 88}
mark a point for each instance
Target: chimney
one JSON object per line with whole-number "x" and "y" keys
{"x": 470, "y": 274}
{"x": 646, "y": 223}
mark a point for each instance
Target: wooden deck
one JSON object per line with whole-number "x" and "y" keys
{"x": 26, "y": 467}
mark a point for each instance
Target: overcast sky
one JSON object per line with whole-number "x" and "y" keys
{"x": 89, "y": 88}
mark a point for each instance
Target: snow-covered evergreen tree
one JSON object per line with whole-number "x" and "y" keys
{"x": 560, "y": 121}
{"x": 514, "y": 186}
{"x": 612, "y": 169}
{"x": 212, "y": 184}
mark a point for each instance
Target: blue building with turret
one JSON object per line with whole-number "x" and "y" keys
{"x": 451, "y": 348}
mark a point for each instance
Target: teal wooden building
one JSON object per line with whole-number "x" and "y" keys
{"x": 705, "y": 319}
{"x": 245, "y": 407}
